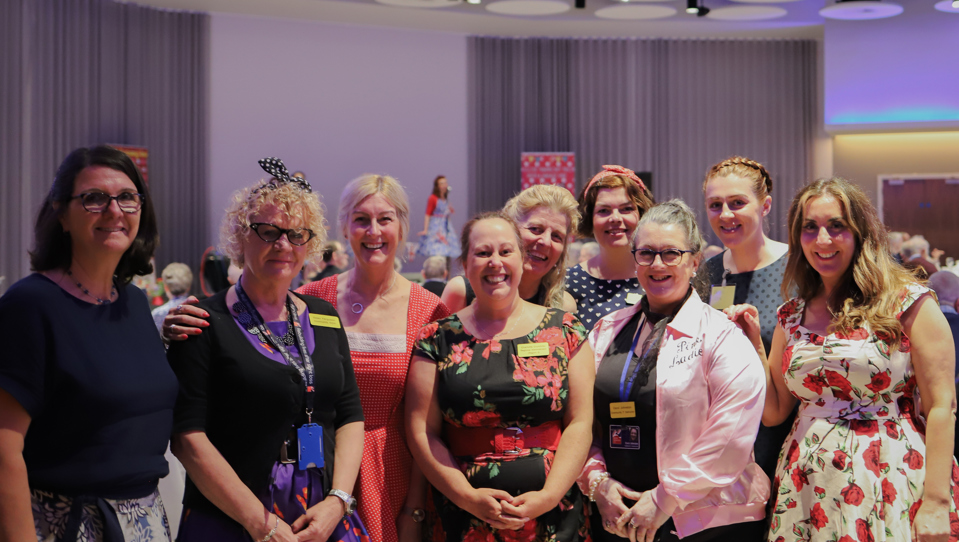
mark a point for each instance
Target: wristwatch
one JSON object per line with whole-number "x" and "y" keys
{"x": 347, "y": 499}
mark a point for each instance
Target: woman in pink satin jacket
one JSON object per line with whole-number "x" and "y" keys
{"x": 678, "y": 400}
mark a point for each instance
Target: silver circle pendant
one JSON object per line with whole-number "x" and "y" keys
{"x": 354, "y": 309}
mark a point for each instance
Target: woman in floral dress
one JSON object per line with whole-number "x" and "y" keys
{"x": 438, "y": 237}
{"x": 861, "y": 343}
{"x": 499, "y": 404}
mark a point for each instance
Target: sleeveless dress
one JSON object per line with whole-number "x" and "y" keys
{"x": 853, "y": 467}
{"x": 440, "y": 238}
{"x": 485, "y": 384}
{"x": 385, "y": 468}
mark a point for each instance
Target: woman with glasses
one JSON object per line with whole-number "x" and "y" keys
{"x": 268, "y": 422}
{"x": 678, "y": 398}
{"x": 86, "y": 395}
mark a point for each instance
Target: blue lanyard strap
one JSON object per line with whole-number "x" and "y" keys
{"x": 626, "y": 385}
{"x": 251, "y": 319}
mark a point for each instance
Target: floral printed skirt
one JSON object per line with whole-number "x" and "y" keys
{"x": 140, "y": 520}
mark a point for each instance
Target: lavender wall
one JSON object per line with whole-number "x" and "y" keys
{"x": 336, "y": 101}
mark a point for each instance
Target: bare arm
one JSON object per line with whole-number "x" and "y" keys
{"x": 426, "y": 224}
{"x": 933, "y": 357}
{"x": 16, "y": 517}
{"x": 454, "y": 295}
{"x": 409, "y": 530}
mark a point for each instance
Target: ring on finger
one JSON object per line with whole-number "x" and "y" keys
{"x": 609, "y": 524}
{"x": 632, "y": 523}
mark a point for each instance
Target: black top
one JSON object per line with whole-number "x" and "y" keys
{"x": 96, "y": 385}
{"x": 539, "y": 298}
{"x": 247, "y": 403}
{"x": 436, "y": 287}
{"x": 595, "y": 298}
{"x": 637, "y": 468}
{"x": 327, "y": 271}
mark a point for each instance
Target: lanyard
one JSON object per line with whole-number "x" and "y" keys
{"x": 626, "y": 386}
{"x": 250, "y": 317}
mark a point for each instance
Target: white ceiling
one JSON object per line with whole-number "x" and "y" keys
{"x": 801, "y": 21}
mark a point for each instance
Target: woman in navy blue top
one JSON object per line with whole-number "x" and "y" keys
{"x": 86, "y": 395}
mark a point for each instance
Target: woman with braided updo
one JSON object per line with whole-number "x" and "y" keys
{"x": 750, "y": 270}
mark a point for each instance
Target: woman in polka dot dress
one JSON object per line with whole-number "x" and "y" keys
{"x": 611, "y": 206}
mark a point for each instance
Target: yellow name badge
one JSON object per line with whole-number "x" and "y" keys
{"x": 626, "y": 409}
{"x": 632, "y": 298}
{"x": 324, "y": 320}
{"x": 722, "y": 297}
{"x": 532, "y": 350}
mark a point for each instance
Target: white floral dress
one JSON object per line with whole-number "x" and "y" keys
{"x": 853, "y": 467}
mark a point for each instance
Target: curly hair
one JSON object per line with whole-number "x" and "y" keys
{"x": 290, "y": 199}
{"x": 643, "y": 199}
{"x": 748, "y": 169}
{"x": 870, "y": 290}
{"x": 367, "y": 185}
{"x": 558, "y": 200}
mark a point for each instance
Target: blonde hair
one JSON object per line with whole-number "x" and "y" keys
{"x": 870, "y": 290}
{"x": 750, "y": 170}
{"x": 558, "y": 200}
{"x": 289, "y": 199}
{"x": 367, "y": 185}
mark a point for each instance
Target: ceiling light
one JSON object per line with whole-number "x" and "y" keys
{"x": 473, "y": 2}
{"x": 858, "y": 10}
{"x": 528, "y": 7}
{"x": 747, "y": 13}
{"x": 948, "y": 6}
{"x": 693, "y": 8}
{"x": 635, "y": 12}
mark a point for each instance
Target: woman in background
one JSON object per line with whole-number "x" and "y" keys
{"x": 438, "y": 237}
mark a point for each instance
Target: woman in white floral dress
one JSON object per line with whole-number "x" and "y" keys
{"x": 859, "y": 345}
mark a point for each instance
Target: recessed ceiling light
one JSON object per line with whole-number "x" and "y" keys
{"x": 420, "y": 3}
{"x": 528, "y": 7}
{"x": 860, "y": 10}
{"x": 746, "y": 13}
{"x": 763, "y": 1}
{"x": 948, "y": 6}
{"x": 634, "y": 12}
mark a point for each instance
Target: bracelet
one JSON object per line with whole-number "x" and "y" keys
{"x": 272, "y": 532}
{"x": 594, "y": 485}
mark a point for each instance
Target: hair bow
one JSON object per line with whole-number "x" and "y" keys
{"x": 275, "y": 167}
{"x": 611, "y": 170}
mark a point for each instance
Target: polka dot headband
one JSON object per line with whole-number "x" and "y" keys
{"x": 274, "y": 166}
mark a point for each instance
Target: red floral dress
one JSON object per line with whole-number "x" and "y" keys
{"x": 852, "y": 469}
{"x": 486, "y": 384}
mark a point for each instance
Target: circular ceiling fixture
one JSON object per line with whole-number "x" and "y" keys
{"x": 635, "y": 12}
{"x": 528, "y": 7}
{"x": 860, "y": 10}
{"x": 763, "y": 1}
{"x": 948, "y": 6}
{"x": 420, "y": 3}
{"x": 746, "y": 13}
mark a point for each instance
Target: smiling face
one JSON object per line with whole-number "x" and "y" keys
{"x": 111, "y": 231}
{"x": 828, "y": 243}
{"x": 544, "y": 233}
{"x": 494, "y": 261}
{"x": 277, "y": 262}
{"x": 734, "y": 212}
{"x": 614, "y": 218}
{"x": 665, "y": 285}
{"x": 374, "y": 231}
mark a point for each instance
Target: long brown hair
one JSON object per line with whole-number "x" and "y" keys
{"x": 436, "y": 187}
{"x": 870, "y": 290}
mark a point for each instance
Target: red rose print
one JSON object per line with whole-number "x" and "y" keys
{"x": 880, "y": 381}
{"x": 800, "y": 479}
{"x": 793, "y": 454}
{"x": 864, "y": 428}
{"x": 891, "y": 429}
{"x": 792, "y": 504}
{"x": 871, "y": 457}
{"x": 551, "y": 335}
{"x": 820, "y": 402}
{"x": 427, "y": 331}
{"x": 863, "y": 531}
{"x": 955, "y": 472}
{"x": 787, "y": 358}
{"x": 817, "y": 340}
{"x": 780, "y": 539}
{"x": 817, "y": 516}
{"x": 913, "y": 510}
{"x": 888, "y": 492}
{"x": 953, "y": 525}
{"x": 481, "y": 418}
{"x": 852, "y": 494}
{"x": 846, "y": 538}
{"x": 818, "y": 490}
{"x": 462, "y": 353}
{"x": 815, "y": 383}
{"x": 905, "y": 346}
{"x": 841, "y": 388}
{"x": 913, "y": 459}
{"x": 527, "y": 533}
{"x": 908, "y": 410}
{"x": 857, "y": 334}
{"x": 839, "y": 459}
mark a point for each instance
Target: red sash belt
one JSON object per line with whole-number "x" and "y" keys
{"x": 473, "y": 441}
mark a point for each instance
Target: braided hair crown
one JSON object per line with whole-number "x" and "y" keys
{"x": 745, "y": 168}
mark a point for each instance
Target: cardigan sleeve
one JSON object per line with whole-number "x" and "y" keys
{"x": 431, "y": 204}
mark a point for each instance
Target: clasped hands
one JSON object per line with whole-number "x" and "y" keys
{"x": 503, "y": 511}
{"x": 639, "y": 523}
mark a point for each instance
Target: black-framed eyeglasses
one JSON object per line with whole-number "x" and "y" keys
{"x": 670, "y": 256}
{"x": 270, "y": 233}
{"x": 97, "y": 202}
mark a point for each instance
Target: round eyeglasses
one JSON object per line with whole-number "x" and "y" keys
{"x": 270, "y": 233}
{"x": 97, "y": 202}
{"x": 670, "y": 256}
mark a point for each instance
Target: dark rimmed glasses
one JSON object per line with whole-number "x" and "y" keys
{"x": 270, "y": 233}
{"x": 670, "y": 256}
{"x": 97, "y": 202}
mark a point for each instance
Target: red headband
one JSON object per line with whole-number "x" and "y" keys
{"x": 610, "y": 171}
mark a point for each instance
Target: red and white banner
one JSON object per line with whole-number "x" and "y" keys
{"x": 140, "y": 157}
{"x": 557, "y": 168}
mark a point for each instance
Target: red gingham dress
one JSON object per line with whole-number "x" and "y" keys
{"x": 385, "y": 469}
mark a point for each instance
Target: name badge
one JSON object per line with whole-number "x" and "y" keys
{"x": 324, "y": 320}
{"x": 722, "y": 296}
{"x": 626, "y": 409}
{"x": 310, "y": 437}
{"x": 624, "y": 437}
{"x": 532, "y": 350}
{"x": 632, "y": 298}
